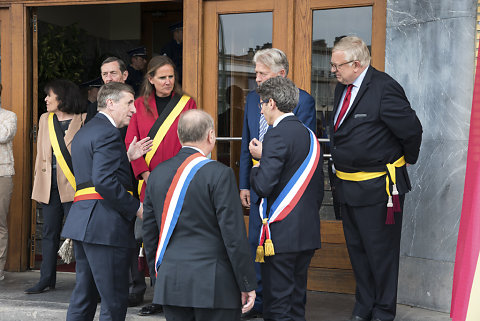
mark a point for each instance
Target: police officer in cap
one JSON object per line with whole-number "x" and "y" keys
{"x": 92, "y": 87}
{"x": 138, "y": 60}
{"x": 174, "y": 48}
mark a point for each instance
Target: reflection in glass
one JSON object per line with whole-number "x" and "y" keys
{"x": 329, "y": 26}
{"x": 239, "y": 37}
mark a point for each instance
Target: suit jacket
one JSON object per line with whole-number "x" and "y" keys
{"x": 99, "y": 157}
{"x": 378, "y": 129}
{"x": 207, "y": 261}
{"x": 42, "y": 180}
{"x": 8, "y": 128}
{"x": 285, "y": 147}
{"x": 305, "y": 111}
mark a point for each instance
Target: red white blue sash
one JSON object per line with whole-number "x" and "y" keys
{"x": 174, "y": 201}
{"x": 287, "y": 199}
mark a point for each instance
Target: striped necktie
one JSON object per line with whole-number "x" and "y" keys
{"x": 262, "y": 129}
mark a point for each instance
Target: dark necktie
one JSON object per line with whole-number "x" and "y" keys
{"x": 346, "y": 103}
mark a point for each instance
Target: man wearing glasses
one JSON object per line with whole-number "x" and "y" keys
{"x": 375, "y": 135}
{"x": 269, "y": 63}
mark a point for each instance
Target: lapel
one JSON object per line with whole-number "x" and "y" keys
{"x": 153, "y": 105}
{"x": 361, "y": 91}
{"x": 75, "y": 124}
{"x": 255, "y": 112}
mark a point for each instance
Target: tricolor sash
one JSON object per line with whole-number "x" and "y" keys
{"x": 174, "y": 201}
{"x": 287, "y": 199}
{"x": 162, "y": 125}
{"x": 64, "y": 159}
{"x": 86, "y": 191}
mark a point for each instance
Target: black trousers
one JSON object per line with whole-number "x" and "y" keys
{"x": 106, "y": 268}
{"x": 53, "y": 214}
{"x": 374, "y": 250}
{"x": 176, "y": 313}
{"x": 284, "y": 278}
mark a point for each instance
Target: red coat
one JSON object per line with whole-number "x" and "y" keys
{"x": 140, "y": 124}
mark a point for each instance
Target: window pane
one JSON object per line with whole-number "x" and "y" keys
{"x": 330, "y": 26}
{"x": 240, "y": 36}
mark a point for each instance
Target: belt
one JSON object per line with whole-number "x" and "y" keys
{"x": 393, "y": 204}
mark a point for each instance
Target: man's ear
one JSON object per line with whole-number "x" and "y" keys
{"x": 125, "y": 75}
{"x": 282, "y": 73}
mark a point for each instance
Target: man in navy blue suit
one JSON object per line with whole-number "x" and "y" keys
{"x": 269, "y": 63}
{"x": 101, "y": 219}
{"x": 289, "y": 179}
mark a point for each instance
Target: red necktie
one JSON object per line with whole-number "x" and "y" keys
{"x": 346, "y": 103}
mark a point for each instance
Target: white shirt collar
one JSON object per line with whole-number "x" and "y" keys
{"x": 108, "y": 117}
{"x": 275, "y": 123}
{"x": 197, "y": 149}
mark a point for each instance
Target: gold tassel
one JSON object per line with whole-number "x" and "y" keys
{"x": 269, "y": 249}
{"x": 260, "y": 257}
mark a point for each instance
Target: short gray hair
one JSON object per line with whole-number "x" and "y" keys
{"x": 193, "y": 126}
{"x": 282, "y": 90}
{"x": 273, "y": 58}
{"x": 354, "y": 49}
{"x": 113, "y": 91}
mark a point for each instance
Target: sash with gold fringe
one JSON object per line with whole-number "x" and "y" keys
{"x": 287, "y": 199}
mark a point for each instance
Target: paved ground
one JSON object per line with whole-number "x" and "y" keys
{"x": 52, "y": 305}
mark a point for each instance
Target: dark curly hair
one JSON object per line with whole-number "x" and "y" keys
{"x": 70, "y": 99}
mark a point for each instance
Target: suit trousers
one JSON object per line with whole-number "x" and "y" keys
{"x": 374, "y": 250}
{"x": 104, "y": 268}
{"x": 254, "y": 225}
{"x": 284, "y": 278}
{"x": 6, "y": 187}
{"x": 53, "y": 214}
{"x": 177, "y": 313}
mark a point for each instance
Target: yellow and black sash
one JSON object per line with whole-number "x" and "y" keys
{"x": 162, "y": 125}
{"x": 64, "y": 159}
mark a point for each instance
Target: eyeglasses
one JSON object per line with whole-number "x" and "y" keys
{"x": 260, "y": 104}
{"x": 335, "y": 67}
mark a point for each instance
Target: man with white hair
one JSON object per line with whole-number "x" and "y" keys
{"x": 375, "y": 135}
{"x": 269, "y": 63}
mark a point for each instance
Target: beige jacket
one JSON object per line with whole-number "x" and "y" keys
{"x": 8, "y": 128}
{"x": 43, "y": 164}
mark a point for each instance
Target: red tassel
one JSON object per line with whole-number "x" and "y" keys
{"x": 390, "y": 217}
{"x": 142, "y": 263}
{"x": 396, "y": 204}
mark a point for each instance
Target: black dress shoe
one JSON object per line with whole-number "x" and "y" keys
{"x": 358, "y": 318}
{"x": 376, "y": 319}
{"x": 151, "y": 309}
{"x": 134, "y": 299}
{"x": 39, "y": 288}
{"x": 252, "y": 314}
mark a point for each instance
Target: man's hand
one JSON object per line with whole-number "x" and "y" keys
{"x": 140, "y": 148}
{"x": 255, "y": 148}
{"x": 248, "y": 299}
{"x": 140, "y": 212}
{"x": 145, "y": 176}
{"x": 245, "y": 198}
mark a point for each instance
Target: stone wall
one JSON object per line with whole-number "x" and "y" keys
{"x": 430, "y": 50}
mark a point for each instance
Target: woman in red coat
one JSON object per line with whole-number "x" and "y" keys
{"x": 160, "y": 103}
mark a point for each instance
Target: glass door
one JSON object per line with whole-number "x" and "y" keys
{"x": 234, "y": 31}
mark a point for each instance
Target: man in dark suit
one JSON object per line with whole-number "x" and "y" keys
{"x": 100, "y": 221}
{"x": 206, "y": 272}
{"x": 289, "y": 179}
{"x": 375, "y": 135}
{"x": 268, "y": 63}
